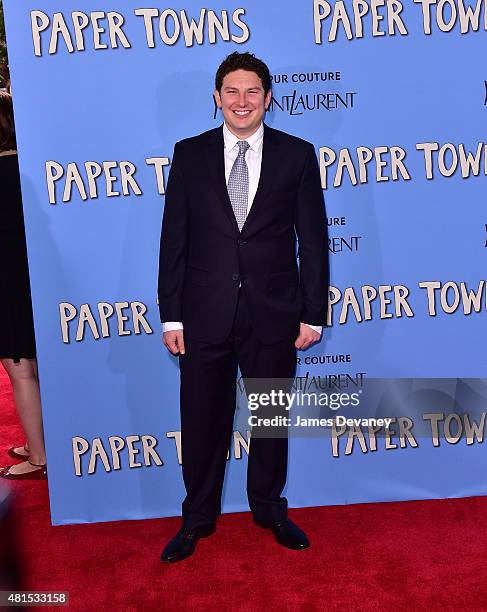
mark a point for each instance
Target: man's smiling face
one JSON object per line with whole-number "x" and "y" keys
{"x": 243, "y": 102}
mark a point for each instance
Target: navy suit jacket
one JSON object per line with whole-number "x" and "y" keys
{"x": 204, "y": 257}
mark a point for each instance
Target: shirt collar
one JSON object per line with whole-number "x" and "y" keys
{"x": 255, "y": 141}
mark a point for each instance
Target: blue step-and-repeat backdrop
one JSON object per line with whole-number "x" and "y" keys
{"x": 393, "y": 96}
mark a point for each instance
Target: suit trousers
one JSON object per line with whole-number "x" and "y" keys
{"x": 207, "y": 404}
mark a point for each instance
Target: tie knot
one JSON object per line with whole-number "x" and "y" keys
{"x": 243, "y": 145}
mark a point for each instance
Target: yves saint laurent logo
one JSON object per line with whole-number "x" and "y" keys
{"x": 310, "y": 91}
{"x": 298, "y": 103}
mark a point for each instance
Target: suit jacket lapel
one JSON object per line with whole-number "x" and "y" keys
{"x": 270, "y": 162}
{"x": 216, "y": 163}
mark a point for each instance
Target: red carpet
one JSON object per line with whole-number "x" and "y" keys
{"x": 426, "y": 555}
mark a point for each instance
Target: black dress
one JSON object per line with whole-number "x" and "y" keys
{"x": 16, "y": 321}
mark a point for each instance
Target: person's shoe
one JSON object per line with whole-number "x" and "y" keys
{"x": 286, "y": 533}
{"x": 184, "y": 543}
{"x": 39, "y": 474}
{"x": 12, "y": 452}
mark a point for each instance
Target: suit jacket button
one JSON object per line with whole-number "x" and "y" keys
{"x": 240, "y": 242}
{"x": 235, "y": 277}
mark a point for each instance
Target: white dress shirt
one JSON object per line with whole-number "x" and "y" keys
{"x": 253, "y": 157}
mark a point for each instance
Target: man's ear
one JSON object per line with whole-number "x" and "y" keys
{"x": 267, "y": 99}
{"x": 218, "y": 100}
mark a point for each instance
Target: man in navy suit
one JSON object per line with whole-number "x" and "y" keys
{"x": 231, "y": 294}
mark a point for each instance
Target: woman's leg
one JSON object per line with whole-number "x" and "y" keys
{"x": 25, "y": 383}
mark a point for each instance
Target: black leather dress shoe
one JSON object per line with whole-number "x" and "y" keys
{"x": 184, "y": 543}
{"x": 286, "y": 533}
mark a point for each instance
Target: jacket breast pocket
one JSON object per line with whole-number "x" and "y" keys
{"x": 196, "y": 276}
{"x": 283, "y": 194}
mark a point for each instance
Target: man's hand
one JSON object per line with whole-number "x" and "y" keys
{"x": 307, "y": 337}
{"x": 174, "y": 341}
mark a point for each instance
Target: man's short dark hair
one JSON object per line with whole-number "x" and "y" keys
{"x": 243, "y": 61}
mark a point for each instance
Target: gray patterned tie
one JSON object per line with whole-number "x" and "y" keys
{"x": 238, "y": 184}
